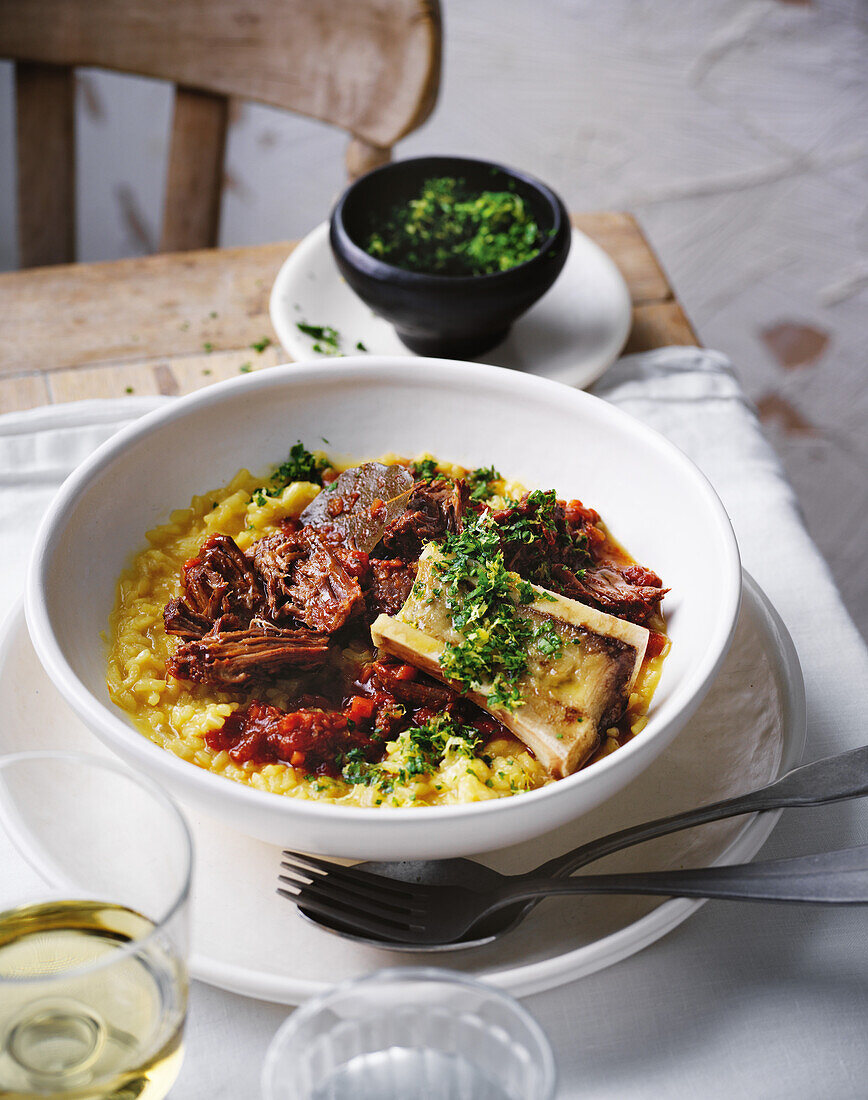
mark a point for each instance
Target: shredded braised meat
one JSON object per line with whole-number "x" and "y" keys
{"x": 239, "y": 657}
{"x": 630, "y": 593}
{"x": 418, "y": 690}
{"x": 305, "y": 579}
{"x": 573, "y": 557}
{"x": 324, "y": 595}
{"x": 390, "y": 581}
{"x": 221, "y": 583}
{"x": 274, "y": 558}
{"x": 435, "y": 508}
{"x": 180, "y": 619}
{"x": 243, "y": 620}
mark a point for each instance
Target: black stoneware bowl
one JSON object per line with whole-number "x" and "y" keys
{"x": 454, "y": 316}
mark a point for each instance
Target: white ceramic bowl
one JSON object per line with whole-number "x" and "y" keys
{"x": 541, "y": 433}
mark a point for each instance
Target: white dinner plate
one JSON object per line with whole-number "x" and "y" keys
{"x": 572, "y": 334}
{"x": 749, "y": 729}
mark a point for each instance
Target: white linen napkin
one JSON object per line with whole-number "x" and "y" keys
{"x": 739, "y": 1001}
{"x": 693, "y": 397}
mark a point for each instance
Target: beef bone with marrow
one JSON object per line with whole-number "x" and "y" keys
{"x": 567, "y": 701}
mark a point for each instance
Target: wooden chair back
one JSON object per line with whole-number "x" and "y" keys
{"x": 371, "y": 67}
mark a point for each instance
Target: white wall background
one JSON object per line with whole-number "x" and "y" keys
{"x": 737, "y": 131}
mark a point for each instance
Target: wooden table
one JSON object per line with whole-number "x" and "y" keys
{"x": 175, "y": 322}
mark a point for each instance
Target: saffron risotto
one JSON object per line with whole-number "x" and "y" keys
{"x": 177, "y": 715}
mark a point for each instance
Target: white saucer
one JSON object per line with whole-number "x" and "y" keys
{"x": 572, "y": 334}
{"x": 749, "y": 729}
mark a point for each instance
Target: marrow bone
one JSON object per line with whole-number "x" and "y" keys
{"x": 568, "y": 701}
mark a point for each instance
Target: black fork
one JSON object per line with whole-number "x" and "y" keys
{"x": 426, "y": 915}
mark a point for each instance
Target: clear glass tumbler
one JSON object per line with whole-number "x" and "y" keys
{"x": 410, "y": 1032}
{"x": 95, "y": 870}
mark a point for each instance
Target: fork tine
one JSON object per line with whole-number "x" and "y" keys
{"x": 350, "y": 885}
{"x": 381, "y": 882}
{"x": 372, "y": 884}
{"x": 383, "y": 929}
{"x": 322, "y": 888}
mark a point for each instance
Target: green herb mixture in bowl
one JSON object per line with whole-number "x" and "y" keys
{"x": 451, "y": 229}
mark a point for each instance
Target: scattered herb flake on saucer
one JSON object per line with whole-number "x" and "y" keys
{"x": 328, "y": 339}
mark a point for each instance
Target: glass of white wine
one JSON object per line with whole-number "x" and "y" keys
{"x": 95, "y": 866}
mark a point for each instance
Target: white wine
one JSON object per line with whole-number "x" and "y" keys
{"x": 87, "y": 1011}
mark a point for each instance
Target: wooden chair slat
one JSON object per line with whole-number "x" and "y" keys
{"x": 363, "y": 157}
{"x": 191, "y": 214}
{"x": 371, "y": 67}
{"x": 45, "y": 134}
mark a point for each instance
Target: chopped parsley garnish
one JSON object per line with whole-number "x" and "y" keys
{"x": 357, "y": 769}
{"x": 207, "y": 347}
{"x": 424, "y": 468}
{"x": 536, "y": 522}
{"x": 301, "y": 465}
{"x": 424, "y": 747}
{"x": 260, "y": 345}
{"x": 480, "y": 480}
{"x": 449, "y": 228}
{"x": 485, "y": 601}
{"x": 246, "y": 368}
{"x": 418, "y": 751}
{"x": 360, "y": 346}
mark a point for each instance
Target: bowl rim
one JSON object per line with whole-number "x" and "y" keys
{"x": 381, "y": 271}
{"x": 114, "y": 729}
